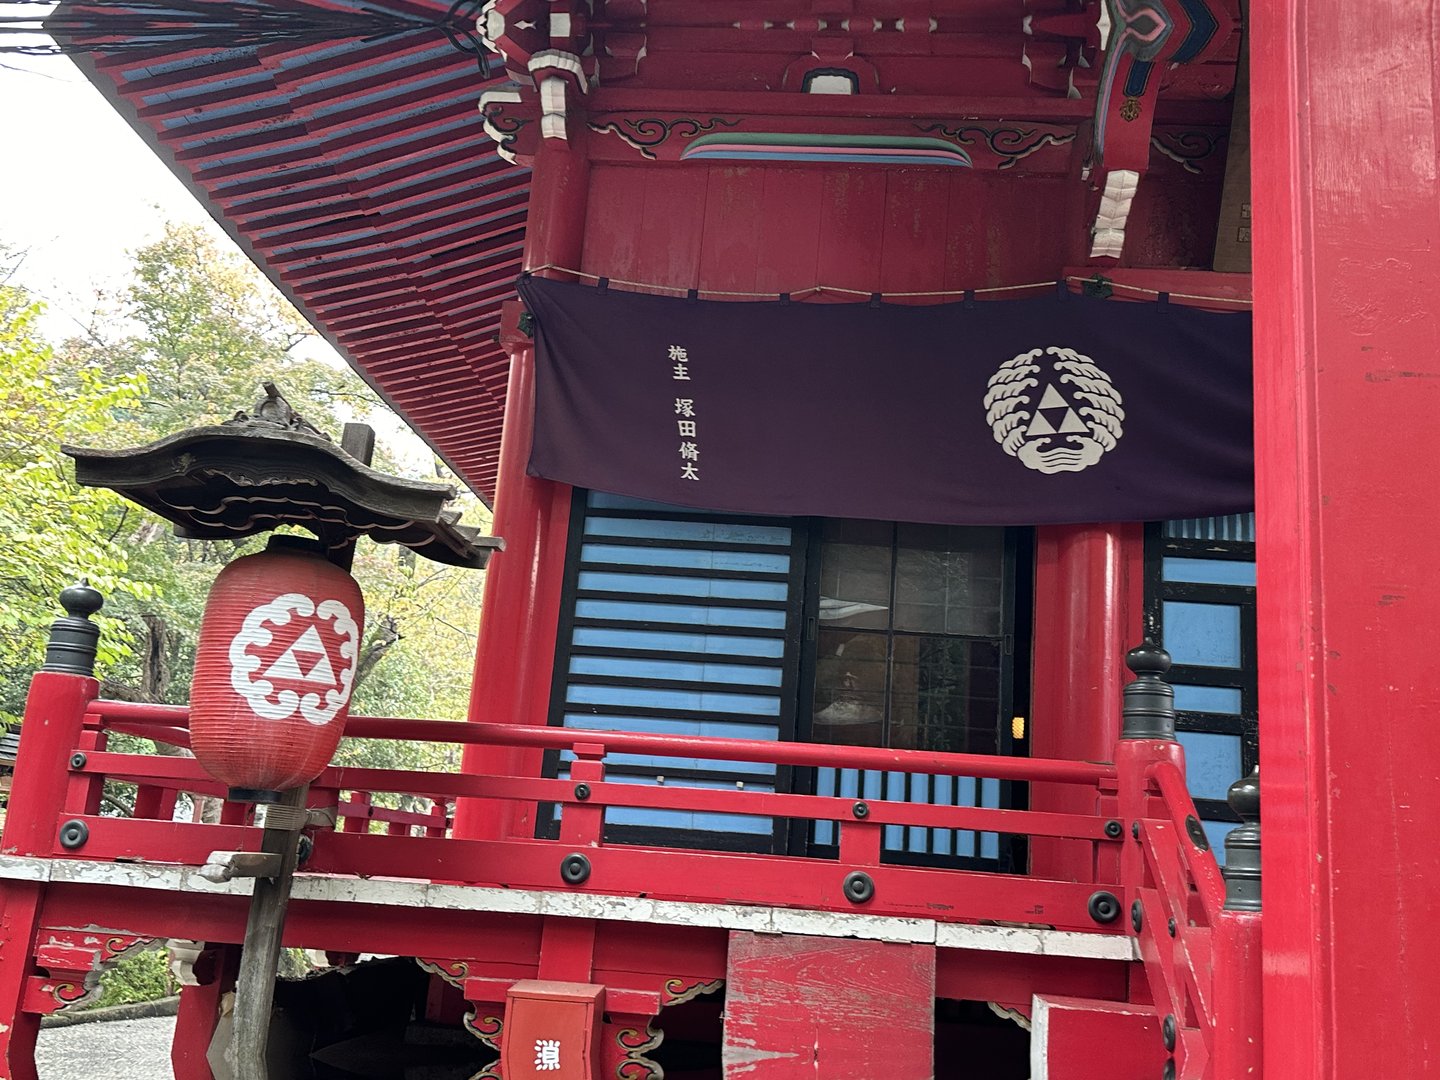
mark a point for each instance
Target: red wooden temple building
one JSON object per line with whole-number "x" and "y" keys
{"x": 837, "y": 774}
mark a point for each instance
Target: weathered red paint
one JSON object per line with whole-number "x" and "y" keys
{"x": 1344, "y": 162}
{"x": 58, "y": 704}
{"x": 214, "y": 971}
{"x": 800, "y": 1007}
{"x": 55, "y": 714}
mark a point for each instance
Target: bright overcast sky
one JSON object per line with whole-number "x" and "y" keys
{"x": 79, "y": 191}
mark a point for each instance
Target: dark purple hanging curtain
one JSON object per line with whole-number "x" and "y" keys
{"x": 1053, "y": 409}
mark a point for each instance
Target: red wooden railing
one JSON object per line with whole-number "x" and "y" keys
{"x": 1201, "y": 959}
{"x": 345, "y": 796}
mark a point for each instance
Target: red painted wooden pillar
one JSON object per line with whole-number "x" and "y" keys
{"x": 1089, "y": 597}
{"x": 1347, "y": 388}
{"x": 515, "y": 656}
{"x": 53, "y": 728}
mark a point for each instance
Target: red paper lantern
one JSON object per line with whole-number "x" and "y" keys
{"x": 274, "y": 668}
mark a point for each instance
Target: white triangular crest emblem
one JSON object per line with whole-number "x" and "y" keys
{"x": 1040, "y": 426}
{"x": 1052, "y": 399}
{"x": 288, "y": 666}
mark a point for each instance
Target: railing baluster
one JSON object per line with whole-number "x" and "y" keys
{"x": 1237, "y": 942}
{"x": 582, "y": 822}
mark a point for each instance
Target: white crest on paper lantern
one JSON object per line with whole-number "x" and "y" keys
{"x": 306, "y": 660}
{"x": 1076, "y": 422}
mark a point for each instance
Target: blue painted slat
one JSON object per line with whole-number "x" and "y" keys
{"x": 719, "y": 728}
{"x": 686, "y": 700}
{"x": 1208, "y": 571}
{"x": 606, "y": 637}
{"x": 825, "y": 784}
{"x": 666, "y": 765}
{"x": 697, "y": 615}
{"x": 679, "y": 670}
{"x": 666, "y": 585}
{"x": 1212, "y": 762}
{"x": 756, "y": 562}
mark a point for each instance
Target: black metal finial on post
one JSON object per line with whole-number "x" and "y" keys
{"x": 74, "y": 639}
{"x": 1148, "y": 710}
{"x": 1242, "y": 846}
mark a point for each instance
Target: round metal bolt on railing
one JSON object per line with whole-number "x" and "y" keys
{"x": 73, "y": 834}
{"x": 1170, "y": 926}
{"x": 1114, "y": 829}
{"x": 1168, "y": 1073}
{"x": 861, "y": 809}
{"x": 1135, "y": 830}
{"x": 1104, "y": 907}
{"x": 858, "y": 887}
{"x": 1168, "y": 1032}
{"x": 1137, "y": 915}
{"x": 1196, "y": 832}
{"x": 78, "y": 759}
{"x": 574, "y": 869}
{"x": 582, "y": 791}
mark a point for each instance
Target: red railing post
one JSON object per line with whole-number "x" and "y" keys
{"x": 1147, "y": 736}
{"x": 1238, "y": 1050}
{"x": 60, "y": 696}
{"x": 582, "y": 823}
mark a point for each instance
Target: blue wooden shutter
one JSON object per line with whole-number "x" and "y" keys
{"x": 680, "y": 623}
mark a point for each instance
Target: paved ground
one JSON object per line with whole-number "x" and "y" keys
{"x": 118, "y": 1050}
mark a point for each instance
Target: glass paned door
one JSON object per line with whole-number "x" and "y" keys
{"x": 910, "y": 644}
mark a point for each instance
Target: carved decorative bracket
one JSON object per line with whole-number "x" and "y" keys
{"x": 73, "y": 960}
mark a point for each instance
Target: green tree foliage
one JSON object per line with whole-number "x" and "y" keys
{"x": 56, "y": 532}
{"x": 199, "y": 332}
{"x": 205, "y": 329}
{"x": 142, "y": 976}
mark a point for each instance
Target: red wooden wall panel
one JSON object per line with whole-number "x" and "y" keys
{"x": 790, "y": 229}
{"x": 828, "y": 1009}
{"x": 787, "y": 227}
{"x": 852, "y": 228}
{"x": 916, "y": 215}
{"x": 733, "y": 241}
{"x": 671, "y": 226}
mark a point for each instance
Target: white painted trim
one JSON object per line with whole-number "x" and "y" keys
{"x": 1039, "y": 1038}
{"x": 1035, "y": 941}
{"x": 405, "y": 893}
